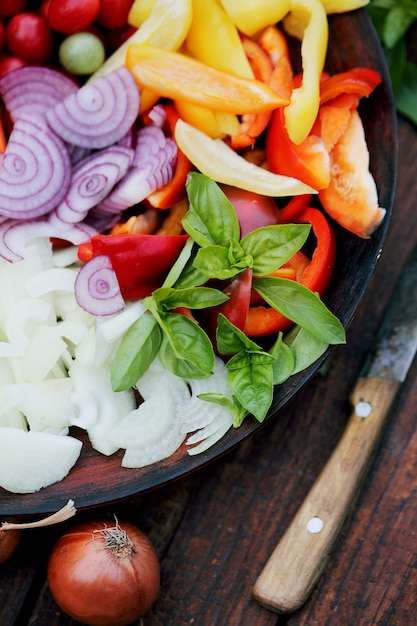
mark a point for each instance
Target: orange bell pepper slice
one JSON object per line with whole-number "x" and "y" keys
{"x": 270, "y": 62}
{"x": 175, "y": 75}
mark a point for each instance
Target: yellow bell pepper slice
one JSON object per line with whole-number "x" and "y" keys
{"x": 213, "y": 39}
{"x": 140, "y": 11}
{"x": 251, "y": 16}
{"x": 179, "y": 77}
{"x": 343, "y": 6}
{"x": 166, "y": 27}
{"x": 214, "y": 123}
{"x": 306, "y": 21}
{"x": 214, "y": 158}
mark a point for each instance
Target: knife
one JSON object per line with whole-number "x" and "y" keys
{"x": 300, "y": 557}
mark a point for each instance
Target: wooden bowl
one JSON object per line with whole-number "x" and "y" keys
{"x": 97, "y": 479}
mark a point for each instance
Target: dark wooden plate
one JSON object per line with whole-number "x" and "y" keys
{"x": 97, "y": 479}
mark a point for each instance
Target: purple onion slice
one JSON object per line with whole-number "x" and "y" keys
{"x": 97, "y": 289}
{"x": 100, "y": 113}
{"x": 92, "y": 180}
{"x": 153, "y": 167}
{"x": 16, "y": 234}
{"x": 35, "y": 170}
{"x": 34, "y": 90}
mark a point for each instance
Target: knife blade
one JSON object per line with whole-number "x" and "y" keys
{"x": 301, "y": 555}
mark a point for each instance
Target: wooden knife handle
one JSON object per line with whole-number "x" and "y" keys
{"x": 300, "y": 557}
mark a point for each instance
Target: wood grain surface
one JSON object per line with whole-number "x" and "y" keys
{"x": 215, "y": 529}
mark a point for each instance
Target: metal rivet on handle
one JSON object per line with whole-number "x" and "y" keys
{"x": 315, "y": 525}
{"x": 363, "y": 409}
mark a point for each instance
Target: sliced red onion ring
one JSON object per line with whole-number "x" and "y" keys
{"x": 98, "y": 114}
{"x": 154, "y": 164}
{"x": 16, "y": 234}
{"x": 35, "y": 171}
{"x": 34, "y": 90}
{"x": 96, "y": 287}
{"x": 92, "y": 180}
{"x": 158, "y": 115}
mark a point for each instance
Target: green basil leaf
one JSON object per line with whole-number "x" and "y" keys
{"x": 178, "y": 366}
{"x": 191, "y": 297}
{"x": 283, "y": 365}
{"x": 230, "y": 339}
{"x": 272, "y": 246}
{"x": 136, "y": 352}
{"x": 211, "y": 218}
{"x": 252, "y": 384}
{"x": 231, "y": 404}
{"x": 214, "y": 262}
{"x": 302, "y": 306}
{"x": 305, "y": 347}
{"x": 188, "y": 343}
{"x": 190, "y": 275}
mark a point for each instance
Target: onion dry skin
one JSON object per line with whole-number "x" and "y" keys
{"x": 102, "y": 575}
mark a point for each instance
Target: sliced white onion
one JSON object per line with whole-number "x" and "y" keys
{"x": 100, "y": 113}
{"x": 32, "y": 460}
{"x": 34, "y": 90}
{"x": 92, "y": 180}
{"x": 197, "y": 413}
{"x": 97, "y": 289}
{"x": 211, "y": 434}
{"x": 50, "y": 280}
{"x": 35, "y": 171}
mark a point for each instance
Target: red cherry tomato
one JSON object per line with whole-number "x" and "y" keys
{"x": 9, "y": 64}
{"x": 11, "y": 7}
{"x": 113, "y": 13}
{"x": 70, "y": 16}
{"x": 252, "y": 209}
{"x": 29, "y": 37}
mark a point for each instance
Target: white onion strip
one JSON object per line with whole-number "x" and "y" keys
{"x": 98, "y": 114}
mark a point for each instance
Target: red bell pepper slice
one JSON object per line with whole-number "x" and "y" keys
{"x": 261, "y": 320}
{"x": 308, "y": 161}
{"x": 141, "y": 262}
{"x": 358, "y": 80}
{"x": 174, "y": 191}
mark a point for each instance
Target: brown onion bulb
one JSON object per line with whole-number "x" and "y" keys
{"x": 104, "y": 575}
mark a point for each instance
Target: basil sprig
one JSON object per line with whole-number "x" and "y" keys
{"x": 215, "y": 251}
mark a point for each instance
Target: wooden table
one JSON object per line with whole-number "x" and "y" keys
{"x": 215, "y": 529}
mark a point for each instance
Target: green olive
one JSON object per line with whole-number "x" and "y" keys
{"x": 82, "y": 53}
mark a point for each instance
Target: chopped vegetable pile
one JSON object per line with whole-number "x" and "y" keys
{"x": 166, "y": 230}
